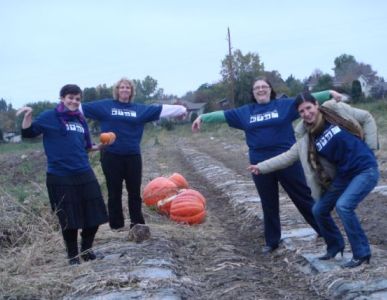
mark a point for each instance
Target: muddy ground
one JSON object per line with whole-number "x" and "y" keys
{"x": 219, "y": 259}
{"x": 221, "y": 254}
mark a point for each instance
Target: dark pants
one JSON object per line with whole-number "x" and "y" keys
{"x": 119, "y": 168}
{"x": 70, "y": 237}
{"x": 292, "y": 180}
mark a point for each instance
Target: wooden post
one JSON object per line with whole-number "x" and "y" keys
{"x": 230, "y": 70}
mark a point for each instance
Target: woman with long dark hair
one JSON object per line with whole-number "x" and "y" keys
{"x": 340, "y": 167}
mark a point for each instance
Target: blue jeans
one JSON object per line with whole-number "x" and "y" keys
{"x": 345, "y": 194}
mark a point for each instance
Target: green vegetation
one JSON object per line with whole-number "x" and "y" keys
{"x": 379, "y": 110}
{"x": 20, "y": 147}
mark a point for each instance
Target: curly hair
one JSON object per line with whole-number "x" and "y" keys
{"x": 117, "y": 85}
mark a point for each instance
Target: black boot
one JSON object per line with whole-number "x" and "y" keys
{"x": 88, "y": 255}
{"x": 332, "y": 254}
{"x": 355, "y": 262}
{"x": 70, "y": 237}
{"x": 74, "y": 261}
{"x": 88, "y": 235}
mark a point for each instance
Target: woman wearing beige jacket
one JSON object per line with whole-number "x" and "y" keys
{"x": 340, "y": 168}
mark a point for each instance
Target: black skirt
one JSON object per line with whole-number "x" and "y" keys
{"x": 77, "y": 200}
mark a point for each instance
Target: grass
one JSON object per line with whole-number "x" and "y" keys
{"x": 20, "y": 147}
{"x": 32, "y": 264}
{"x": 154, "y": 135}
{"x": 379, "y": 110}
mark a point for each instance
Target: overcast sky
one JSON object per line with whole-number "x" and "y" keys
{"x": 45, "y": 44}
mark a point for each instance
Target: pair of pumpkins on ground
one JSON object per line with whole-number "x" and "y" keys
{"x": 172, "y": 196}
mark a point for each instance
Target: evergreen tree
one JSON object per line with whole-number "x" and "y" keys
{"x": 356, "y": 92}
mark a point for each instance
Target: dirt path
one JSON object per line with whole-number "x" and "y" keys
{"x": 221, "y": 256}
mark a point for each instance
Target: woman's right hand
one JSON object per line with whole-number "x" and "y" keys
{"x": 27, "y": 119}
{"x": 196, "y": 125}
{"x": 253, "y": 169}
{"x": 26, "y": 110}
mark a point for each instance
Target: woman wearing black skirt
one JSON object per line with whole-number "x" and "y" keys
{"x": 73, "y": 189}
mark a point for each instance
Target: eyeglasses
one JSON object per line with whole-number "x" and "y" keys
{"x": 261, "y": 87}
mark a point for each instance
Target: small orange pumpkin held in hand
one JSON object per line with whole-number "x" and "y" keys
{"x": 107, "y": 137}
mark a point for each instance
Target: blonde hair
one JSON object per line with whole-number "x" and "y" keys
{"x": 126, "y": 80}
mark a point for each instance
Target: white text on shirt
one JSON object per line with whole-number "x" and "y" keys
{"x": 123, "y": 112}
{"x": 75, "y": 127}
{"x": 327, "y": 136}
{"x": 264, "y": 117}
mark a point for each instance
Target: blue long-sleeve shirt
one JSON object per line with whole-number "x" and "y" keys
{"x": 349, "y": 153}
{"x": 66, "y": 153}
{"x": 126, "y": 120}
{"x": 268, "y": 127}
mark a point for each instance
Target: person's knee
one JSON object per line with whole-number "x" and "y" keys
{"x": 343, "y": 208}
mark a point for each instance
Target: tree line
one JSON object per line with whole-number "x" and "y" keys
{"x": 237, "y": 72}
{"x": 246, "y": 67}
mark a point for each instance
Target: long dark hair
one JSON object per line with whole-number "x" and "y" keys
{"x": 304, "y": 97}
{"x": 273, "y": 94}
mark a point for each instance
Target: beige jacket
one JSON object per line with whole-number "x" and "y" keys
{"x": 299, "y": 151}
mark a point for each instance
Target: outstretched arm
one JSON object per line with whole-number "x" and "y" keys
{"x": 323, "y": 96}
{"x": 171, "y": 111}
{"x": 281, "y": 161}
{"x": 27, "y": 119}
{"x": 213, "y": 117}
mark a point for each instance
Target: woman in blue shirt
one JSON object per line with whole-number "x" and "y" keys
{"x": 267, "y": 123}
{"x": 331, "y": 140}
{"x": 74, "y": 192}
{"x": 122, "y": 160}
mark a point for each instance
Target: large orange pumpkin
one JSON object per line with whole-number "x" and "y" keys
{"x": 194, "y": 194}
{"x": 179, "y": 180}
{"x": 158, "y": 189}
{"x": 164, "y": 205}
{"x": 187, "y": 207}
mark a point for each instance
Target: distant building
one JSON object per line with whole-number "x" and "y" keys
{"x": 193, "y": 109}
{"x": 224, "y": 104}
{"x": 366, "y": 85}
{"x": 310, "y": 83}
{"x": 11, "y": 137}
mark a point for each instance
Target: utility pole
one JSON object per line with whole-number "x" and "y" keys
{"x": 230, "y": 70}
